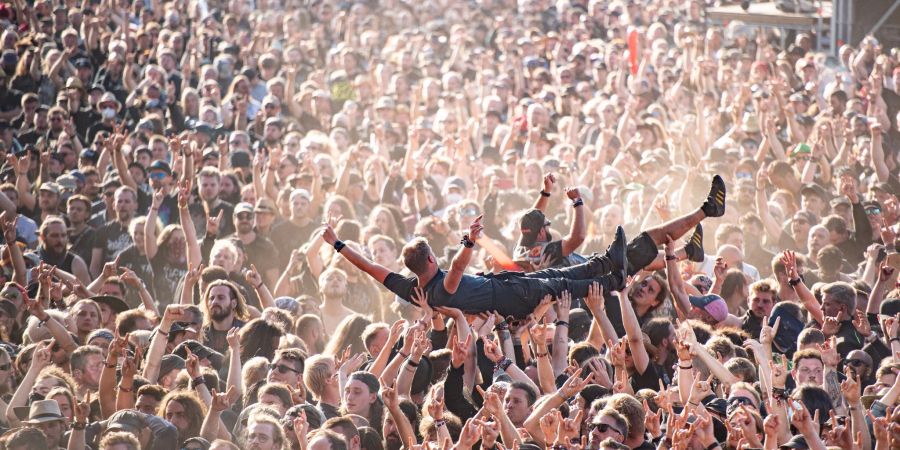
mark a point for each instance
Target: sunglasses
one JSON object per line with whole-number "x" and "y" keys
{"x": 157, "y": 175}
{"x": 244, "y": 216}
{"x": 282, "y": 369}
{"x": 604, "y": 428}
{"x": 5, "y": 367}
{"x": 873, "y": 211}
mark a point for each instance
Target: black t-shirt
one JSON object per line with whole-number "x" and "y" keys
{"x": 167, "y": 277}
{"x": 112, "y": 238}
{"x": 134, "y": 260}
{"x": 650, "y": 378}
{"x": 261, "y": 252}
{"x": 198, "y": 215}
{"x": 10, "y": 99}
{"x": 288, "y": 236}
{"x": 82, "y": 243}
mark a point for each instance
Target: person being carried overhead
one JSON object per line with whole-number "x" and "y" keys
{"x": 516, "y": 294}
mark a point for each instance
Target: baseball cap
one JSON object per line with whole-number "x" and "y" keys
{"x": 243, "y": 207}
{"x": 160, "y": 165}
{"x": 50, "y": 187}
{"x": 202, "y": 352}
{"x": 128, "y": 420}
{"x": 713, "y": 304}
{"x": 531, "y": 224}
{"x": 814, "y": 189}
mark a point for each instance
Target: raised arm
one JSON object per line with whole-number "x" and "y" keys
{"x": 194, "y": 256}
{"x": 578, "y": 233}
{"x": 544, "y": 198}
{"x": 633, "y": 330}
{"x": 463, "y": 257}
{"x": 376, "y": 271}
{"x": 150, "y": 247}
{"x": 682, "y": 302}
{"x": 789, "y": 259}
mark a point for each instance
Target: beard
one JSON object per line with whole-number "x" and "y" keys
{"x": 218, "y": 314}
{"x": 392, "y": 442}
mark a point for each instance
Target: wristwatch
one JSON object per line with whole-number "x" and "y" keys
{"x": 466, "y": 242}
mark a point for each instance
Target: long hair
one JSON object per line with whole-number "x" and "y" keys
{"x": 348, "y": 333}
{"x": 240, "y": 310}
{"x": 259, "y": 338}
{"x": 376, "y": 409}
{"x": 162, "y": 241}
{"x": 194, "y": 410}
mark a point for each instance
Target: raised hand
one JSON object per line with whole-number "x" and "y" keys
{"x": 234, "y": 340}
{"x": 192, "y": 364}
{"x": 82, "y": 410}
{"x": 459, "y": 351}
{"x": 861, "y": 323}
{"x": 213, "y": 223}
{"x": 573, "y": 193}
{"x": 563, "y": 305}
{"x": 575, "y": 384}
{"x": 595, "y": 301}
{"x": 492, "y": 402}
{"x": 436, "y": 404}
{"x": 253, "y": 277}
{"x": 549, "y": 180}
{"x": 549, "y": 424}
{"x": 476, "y": 228}
{"x": 492, "y": 350}
{"x": 850, "y": 387}
{"x": 223, "y": 401}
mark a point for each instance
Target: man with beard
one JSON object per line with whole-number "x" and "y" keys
{"x": 210, "y": 204}
{"x": 224, "y": 308}
{"x": 81, "y": 235}
{"x": 113, "y": 237}
{"x": 87, "y": 364}
{"x": 53, "y": 250}
{"x": 333, "y": 289}
{"x": 264, "y": 433}
{"x": 259, "y": 250}
{"x": 763, "y": 297}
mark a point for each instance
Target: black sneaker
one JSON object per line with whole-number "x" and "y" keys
{"x": 714, "y": 206}
{"x": 694, "y": 246}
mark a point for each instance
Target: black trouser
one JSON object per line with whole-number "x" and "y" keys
{"x": 522, "y": 292}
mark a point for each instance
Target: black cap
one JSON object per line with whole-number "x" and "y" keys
{"x": 530, "y": 225}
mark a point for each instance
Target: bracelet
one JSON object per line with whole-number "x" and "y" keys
{"x": 503, "y": 364}
{"x": 440, "y": 423}
{"x": 544, "y": 193}
{"x": 540, "y": 355}
{"x": 466, "y": 242}
{"x": 125, "y": 389}
{"x": 258, "y": 286}
{"x": 164, "y": 333}
{"x": 794, "y": 282}
{"x": 111, "y": 365}
{"x": 404, "y": 356}
{"x": 671, "y": 258}
{"x": 339, "y": 245}
{"x": 198, "y": 381}
{"x": 779, "y": 393}
{"x": 689, "y": 367}
{"x": 578, "y": 202}
{"x": 79, "y": 425}
{"x": 409, "y": 362}
{"x": 561, "y": 323}
{"x": 894, "y": 339}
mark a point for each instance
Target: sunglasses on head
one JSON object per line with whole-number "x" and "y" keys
{"x": 282, "y": 369}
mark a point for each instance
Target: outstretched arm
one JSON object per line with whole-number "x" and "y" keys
{"x": 376, "y": 271}
{"x": 462, "y": 258}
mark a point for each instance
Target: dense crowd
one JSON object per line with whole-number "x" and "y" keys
{"x": 495, "y": 224}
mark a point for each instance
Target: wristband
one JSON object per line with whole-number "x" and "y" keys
{"x": 79, "y": 425}
{"x": 712, "y": 446}
{"x": 561, "y": 323}
{"x": 258, "y": 286}
{"x": 404, "y": 356}
{"x": 540, "y": 355}
{"x": 466, "y": 242}
{"x": 339, "y": 245}
{"x": 671, "y": 258}
{"x": 578, "y": 202}
{"x": 794, "y": 282}
{"x": 544, "y": 193}
{"x": 503, "y": 364}
{"x": 410, "y": 363}
{"x": 198, "y": 381}
{"x": 689, "y": 367}
{"x": 164, "y": 333}
{"x": 779, "y": 393}
{"x": 894, "y": 339}
{"x": 440, "y": 423}
{"x": 125, "y": 389}
{"x": 111, "y": 365}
